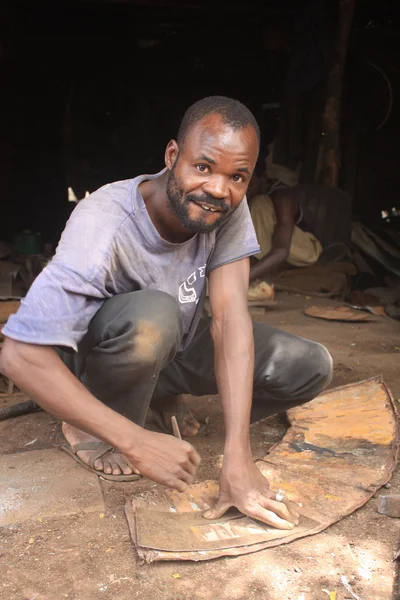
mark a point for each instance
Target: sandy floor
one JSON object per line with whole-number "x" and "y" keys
{"x": 86, "y": 557}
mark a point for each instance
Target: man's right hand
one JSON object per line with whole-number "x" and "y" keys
{"x": 40, "y": 373}
{"x": 164, "y": 459}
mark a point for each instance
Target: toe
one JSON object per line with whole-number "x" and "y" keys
{"x": 112, "y": 464}
{"x": 107, "y": 467}
{"x": 124, "y": 465}
{"x": 115, "y": 468}
{"x": 98, "y": 465}
{"x": 126, "y": 469}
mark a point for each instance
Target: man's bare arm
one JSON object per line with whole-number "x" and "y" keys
{"x": 232, "y": 333}
{"x": 40, "y": 373}
{"x": 269, "y": 265}
{"x": 241, "y": 483}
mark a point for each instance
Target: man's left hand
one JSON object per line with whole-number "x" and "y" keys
{"x": 243, "y": 486}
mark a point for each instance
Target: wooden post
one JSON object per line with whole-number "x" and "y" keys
{"x": 332, "y": 111}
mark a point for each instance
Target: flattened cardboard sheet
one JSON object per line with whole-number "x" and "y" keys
{"x": 339, "y": 450}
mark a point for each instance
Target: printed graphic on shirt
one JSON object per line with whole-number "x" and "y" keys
{"x": 187, "y": 291}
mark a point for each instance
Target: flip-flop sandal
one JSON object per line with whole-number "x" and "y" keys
{"x": 100, "y": 449}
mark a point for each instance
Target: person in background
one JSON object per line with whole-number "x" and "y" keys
{"x": 277, "y": 218}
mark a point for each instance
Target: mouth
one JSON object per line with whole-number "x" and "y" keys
{"x": 208, "y": 207}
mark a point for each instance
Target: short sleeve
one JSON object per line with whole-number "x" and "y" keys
{"x": 70, "y": 290}
{"x": 235, "y": 239}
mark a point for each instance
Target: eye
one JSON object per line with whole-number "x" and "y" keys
{"x": 203, "y": 168}
{"x": 237, "y": 178}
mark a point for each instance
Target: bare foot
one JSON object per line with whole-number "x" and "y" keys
{"x": 112, "y": 463}
{"x": 165, "y": 408}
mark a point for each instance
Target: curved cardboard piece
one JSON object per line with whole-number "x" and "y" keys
{"x": 339, "y": 450}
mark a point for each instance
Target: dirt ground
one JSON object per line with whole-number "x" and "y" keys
{"x": 90, "y": 556}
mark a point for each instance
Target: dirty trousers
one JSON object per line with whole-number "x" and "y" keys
{"x": 130, "y": 354}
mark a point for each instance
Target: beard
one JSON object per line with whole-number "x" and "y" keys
{"x": 179, "y": 203}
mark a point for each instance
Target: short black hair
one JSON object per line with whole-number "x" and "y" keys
{"x": 233, "y": 113}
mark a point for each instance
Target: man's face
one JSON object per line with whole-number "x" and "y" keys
{"x": 209, "y": 175}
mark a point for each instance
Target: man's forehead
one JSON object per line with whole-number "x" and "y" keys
{"x": 212, "y": 134}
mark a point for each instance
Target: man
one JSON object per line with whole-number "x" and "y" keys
{"x": 124, "y": 296}
{"x": 277, "y": 220}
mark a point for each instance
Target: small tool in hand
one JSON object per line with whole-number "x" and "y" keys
{"x": 175, "y": 427}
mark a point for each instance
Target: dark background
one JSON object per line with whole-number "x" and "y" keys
{"x": 92, "y": 91}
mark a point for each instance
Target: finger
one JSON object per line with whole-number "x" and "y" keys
{"x": 289, "y": 505}
{"x": 268, "y": 517}
{"x": 270, "y": 494}
{"x": 177, "y": 484}
{"x": 217, "y": 511}
{"x": 279, "y": 508}
{"x": 189, "y": 467}
{"x": 291, "y": 508}
{"x": 184, "y": 475}
{"x": 194, "y": 457}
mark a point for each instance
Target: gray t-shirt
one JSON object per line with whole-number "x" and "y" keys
{"x": 110, "y": 246}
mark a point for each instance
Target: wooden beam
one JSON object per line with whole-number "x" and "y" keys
{"x": 332, "y": 112}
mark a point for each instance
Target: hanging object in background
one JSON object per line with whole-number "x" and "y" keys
{"x": 72, "y": 196}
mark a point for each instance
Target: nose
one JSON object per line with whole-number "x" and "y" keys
{"x": 217, "y": 186}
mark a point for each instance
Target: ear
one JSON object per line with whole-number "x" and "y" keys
{"x": 171, "y": 154}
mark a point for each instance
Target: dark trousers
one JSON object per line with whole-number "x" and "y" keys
{"x": 130, "y": 354}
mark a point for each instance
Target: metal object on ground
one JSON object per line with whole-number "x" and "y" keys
{"x": 17, "y": 410}
{"x": 389, "y": 505}
{"x": 378, "y": 311}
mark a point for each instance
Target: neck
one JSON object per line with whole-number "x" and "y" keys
{"x": 154, "y": 192}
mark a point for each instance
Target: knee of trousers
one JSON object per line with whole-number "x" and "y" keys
{"x": 320, "y": 365}
{"x": 145, "y": 325}
{"x": 298, "y": 372}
